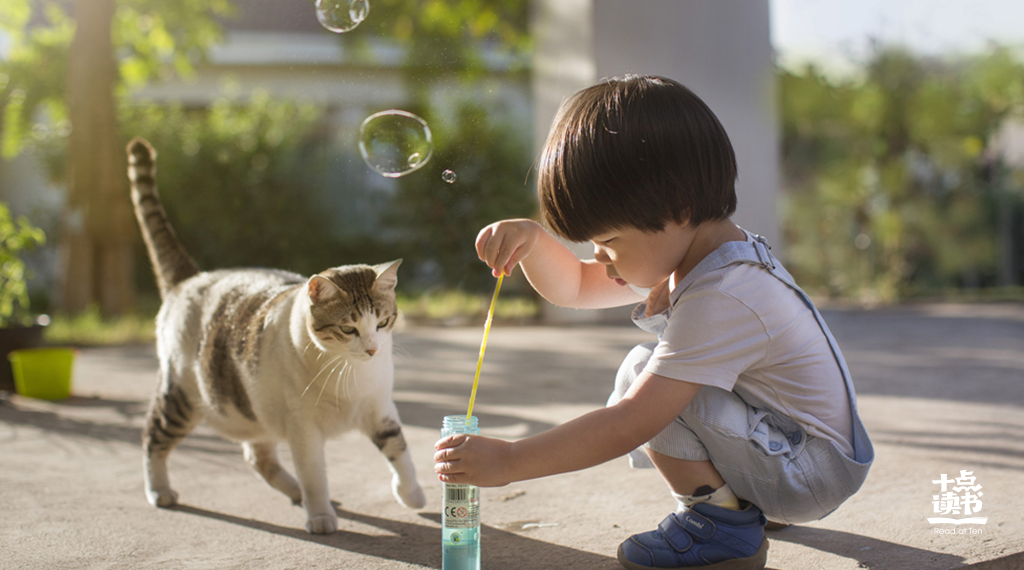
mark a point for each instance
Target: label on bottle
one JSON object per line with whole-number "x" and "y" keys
{"x": 461, "y": 506}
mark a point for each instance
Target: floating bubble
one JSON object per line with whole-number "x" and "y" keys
{"x": 64, "y": 128}
{"x": 448, "y": 176}
{"x": 395, "y": 143}
{"x": 358, "y": 10}
{"x": 40, "y": 131}
{"x": 341, "y": 16}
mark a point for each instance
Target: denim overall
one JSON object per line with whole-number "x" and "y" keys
{"x": 764, "y": 455}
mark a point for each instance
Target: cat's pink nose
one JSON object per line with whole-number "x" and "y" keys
{"x": 371, "y": 351}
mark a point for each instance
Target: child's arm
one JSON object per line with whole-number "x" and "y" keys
{"x": 651, "y": 403}
{"x": 552, "y": 269}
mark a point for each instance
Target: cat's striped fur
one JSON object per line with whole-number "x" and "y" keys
{"x": 253, "y": 351}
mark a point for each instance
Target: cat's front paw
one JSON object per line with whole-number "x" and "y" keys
{"x": 322, "y": 524}
{"x": 162, "y": 498}
{"x": 409, "y": 494}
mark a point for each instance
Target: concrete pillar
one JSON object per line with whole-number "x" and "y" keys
{"x": 721, "y": 50}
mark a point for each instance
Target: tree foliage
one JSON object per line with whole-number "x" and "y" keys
{"x": 153, "y": 39}
{"x": 240, "y": 181}
{"x": 450, "y": 34}
{"x": 17, "y": 236}
{"x": 256, "y": 181}
{"x": 890, "y": 177}
{"x": 438, "y": 220}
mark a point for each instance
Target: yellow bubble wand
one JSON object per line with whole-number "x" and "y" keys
{"x": 483, "y": 347}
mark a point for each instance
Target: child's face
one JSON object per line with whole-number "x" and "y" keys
{"x": 641, "y": 258}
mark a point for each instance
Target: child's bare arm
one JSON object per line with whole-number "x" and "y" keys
{"x": 552, "y": 269}
{"x": 651, "y": 404}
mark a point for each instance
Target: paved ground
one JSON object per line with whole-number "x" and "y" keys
{"x": 941, "y": 390}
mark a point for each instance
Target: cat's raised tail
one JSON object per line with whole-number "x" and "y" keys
{"x": 171, "y": 263}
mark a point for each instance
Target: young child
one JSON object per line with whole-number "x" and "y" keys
{"x": 744, "y": 405}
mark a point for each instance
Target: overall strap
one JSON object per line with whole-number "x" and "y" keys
{"x": 729, "y": 253}
{"x": 758, "y": 252}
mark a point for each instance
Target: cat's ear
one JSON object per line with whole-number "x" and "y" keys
{"x": 320, "y": 289}
{"x": 387, "y": 274}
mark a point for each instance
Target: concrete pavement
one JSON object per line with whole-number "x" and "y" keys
{"x": 941, "y": 390}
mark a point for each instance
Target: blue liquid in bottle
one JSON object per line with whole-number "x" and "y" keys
{"x": 460, "y": 519}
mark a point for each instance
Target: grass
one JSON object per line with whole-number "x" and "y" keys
{"x": 446, "y": 307}
{"x": 453, "y": 305}
{"x": 90, "y": 328}
{"x": 985, "y": 295}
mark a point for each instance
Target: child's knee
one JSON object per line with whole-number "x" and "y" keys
{"x": 630, "y": 368}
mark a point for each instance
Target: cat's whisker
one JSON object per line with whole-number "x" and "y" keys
{"x": 309, "y": 346}
{"x": 337, "y": 405}
{"x": 328, "y": 364}
{"x": 324, "y": 387}
{"x": 400, "y": 352}
{"x": 350, "y": 380}
{"x": 313, "y": 381}
{"x": 328, "y": 379}
{"x": 341, "y": 379}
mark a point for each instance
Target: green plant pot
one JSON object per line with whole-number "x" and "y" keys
{"x": 16, "y": 338}
{"x": 43, "y": 373}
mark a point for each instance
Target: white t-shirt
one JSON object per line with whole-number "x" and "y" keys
{"x": 740, "y": 326}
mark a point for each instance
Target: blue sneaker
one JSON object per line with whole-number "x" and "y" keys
{"x": 703, "y": 536}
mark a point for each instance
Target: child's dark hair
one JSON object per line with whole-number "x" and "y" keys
{"x": 635, "y": 152}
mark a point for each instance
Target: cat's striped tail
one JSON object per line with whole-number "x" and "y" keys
{"x": 171, "y": 263}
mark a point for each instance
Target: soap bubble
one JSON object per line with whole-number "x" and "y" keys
{"x": 448, "y": 176}
{"x": 341, "y": 15}
{"x": 395, "y": 143}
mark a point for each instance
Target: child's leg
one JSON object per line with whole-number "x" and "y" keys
{"x": 693, "y": 482}
{"x": 630, "y": 368}
{"x": 686, "y": 477}
{"x": 711, "y": 534}
{"x": 708, "y": 530}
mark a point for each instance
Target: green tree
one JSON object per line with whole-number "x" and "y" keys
{"x": 454, "y": 43}
{"x": 439, "y": 219}
{"x": 242, "y": 182}
{"x": 888, "y": 181}
{"x": 62, "y": 77}
{"x": 448, "y": 35}
{"x": 16, "y": 237}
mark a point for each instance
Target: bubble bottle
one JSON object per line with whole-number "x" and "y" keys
{"x": 460, "y": 538}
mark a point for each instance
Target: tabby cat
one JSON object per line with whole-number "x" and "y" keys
{"x": 266, "y": 356}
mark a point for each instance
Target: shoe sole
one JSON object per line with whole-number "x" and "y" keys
{"x": 755, "y": 562}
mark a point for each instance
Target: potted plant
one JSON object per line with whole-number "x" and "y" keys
{"x": 17, "y": 327}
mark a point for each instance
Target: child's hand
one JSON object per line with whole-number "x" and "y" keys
{"x": 503, "y": 244}
{"x": 474, "y": 460}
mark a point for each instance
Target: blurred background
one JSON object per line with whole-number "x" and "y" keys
{"x": 880, "y": 144}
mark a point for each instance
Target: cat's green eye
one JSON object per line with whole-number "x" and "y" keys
{"x": 348, "y": 330}
{"x": 383, "y": 323}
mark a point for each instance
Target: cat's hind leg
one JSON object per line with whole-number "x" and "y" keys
{"x": 263, "y": 458}
{"x": 171, "y": 417}
{"x": 386, "y": 434}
